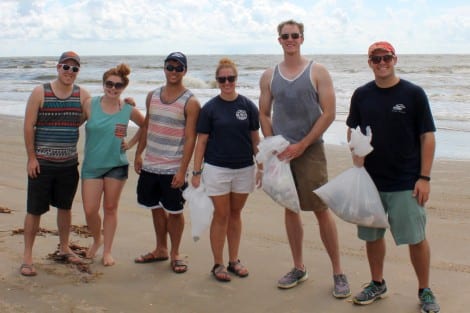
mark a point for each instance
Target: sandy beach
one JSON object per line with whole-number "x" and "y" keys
{"x": 129, "y": 287}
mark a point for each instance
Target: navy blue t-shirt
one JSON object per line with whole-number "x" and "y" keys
{"x": 229, "y": 125}
{"x": 397, "y": 116}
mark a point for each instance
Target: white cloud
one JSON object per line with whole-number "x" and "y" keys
{"x": 46, "y": 27}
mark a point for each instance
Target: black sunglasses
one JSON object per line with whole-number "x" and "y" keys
{"x": 376, "y": 59}
{"x": 292, "y": 35}
{"x": 171, "y": 68}
{"x": 110, "y": 84}
{"x": 223, "y": 79}
{"x": 67, "y": 67}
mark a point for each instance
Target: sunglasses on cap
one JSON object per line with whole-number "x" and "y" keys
{"x": 171, "y": 68}
{"x": 292, "y": 35}
{"x": 376, "y": 59}
{"x": 110, "y": 84}
{"x": 223, "y": 79}
{"x": 67, "y": 67}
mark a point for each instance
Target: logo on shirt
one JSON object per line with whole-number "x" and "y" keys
{"x": 399, "y": 108}
{"x": 241, "y": 115}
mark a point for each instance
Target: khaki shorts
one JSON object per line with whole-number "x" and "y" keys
{"x": 310, "y": 172}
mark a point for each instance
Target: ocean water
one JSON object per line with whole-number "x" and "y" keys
{"x": 445, "y": 78}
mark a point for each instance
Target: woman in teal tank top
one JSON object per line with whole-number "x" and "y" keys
{"x": 105, "y": 165}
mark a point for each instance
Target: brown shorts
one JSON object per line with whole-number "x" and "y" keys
{"x": 310, "y": 172}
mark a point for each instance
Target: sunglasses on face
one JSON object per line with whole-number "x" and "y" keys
{"x": 67, "y": 67}
{"x": 292, "y": 35}
{"x": 223, "y": 79}
{"x": 376, "y": 59}
{"x": 110, "y": 84}
{"x": 171, "y": 68}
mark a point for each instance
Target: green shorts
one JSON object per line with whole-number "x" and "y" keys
{"x": 406, "y": 217}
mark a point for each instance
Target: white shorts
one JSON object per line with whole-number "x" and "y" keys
{"x": 221, "y": 180}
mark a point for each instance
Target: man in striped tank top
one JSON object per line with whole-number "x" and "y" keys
{"x": 169, "y": 137}
{"x": 53, "y": 116}
{"x": 297, "y": 101}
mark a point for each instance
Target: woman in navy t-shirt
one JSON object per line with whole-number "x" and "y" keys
{"x": 227, "y": 142}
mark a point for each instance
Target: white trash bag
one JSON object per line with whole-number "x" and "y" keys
{"x": 277, "y": 181}
{"x": 201, "y": 209}
{"x": 352, "y": 195}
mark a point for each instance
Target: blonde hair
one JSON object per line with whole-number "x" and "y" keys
{"x": 122, "y": 70}
{"x": 226, "y": 63}
{"x": 291, "y": 22}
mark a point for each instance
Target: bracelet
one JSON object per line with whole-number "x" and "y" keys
{"x": 426, "y": 178}
{"x": 197, "y": 173}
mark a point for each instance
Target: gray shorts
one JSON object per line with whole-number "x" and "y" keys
{"x": 406, "y": 217}
{"x": 310, "y": 172}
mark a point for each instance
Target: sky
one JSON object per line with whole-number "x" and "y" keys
{"x": 156, "y": 27}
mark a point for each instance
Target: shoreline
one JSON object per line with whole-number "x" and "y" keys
{"x": 129, "y": 287}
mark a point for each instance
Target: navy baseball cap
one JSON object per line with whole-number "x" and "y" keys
{"x": 178, "y": 56}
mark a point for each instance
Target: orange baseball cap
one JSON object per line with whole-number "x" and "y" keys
{"x": 381, "y": 45}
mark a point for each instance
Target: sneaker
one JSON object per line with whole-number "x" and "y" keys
{"x": 428, "y": 302}
{"x": 292, "y": 279}
{"x": 341, "y": 288}
{"x": 370, "y": 293}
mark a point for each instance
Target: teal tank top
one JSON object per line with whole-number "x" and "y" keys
{"x": 104, "y": 135}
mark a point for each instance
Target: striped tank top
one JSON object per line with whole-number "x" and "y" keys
{"x": 165, "y": 134}
{"x": 57, "y": 124}
{"x": 296, "y": 105}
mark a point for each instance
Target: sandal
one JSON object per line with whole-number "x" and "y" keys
{"x": 237, "y": 268}
{"x": 28, "y": 270}
{"x": 149, "y": 258}
{"x": 179, "y": 266}
{"x": 220, "y": 273}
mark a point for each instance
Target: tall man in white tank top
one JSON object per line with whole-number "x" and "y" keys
{"x": 297, "y": 101}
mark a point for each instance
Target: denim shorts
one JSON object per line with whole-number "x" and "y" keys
{"x": 54, "y": 186}
{"x": 406, "y": 217}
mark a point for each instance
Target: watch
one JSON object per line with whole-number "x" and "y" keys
{"x": 196, "y": 173}
{"x": 426, "y": 178}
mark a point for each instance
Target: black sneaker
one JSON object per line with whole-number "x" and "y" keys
{"x": 371, "y": 293}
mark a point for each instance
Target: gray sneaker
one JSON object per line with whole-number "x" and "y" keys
{"x": 341, "y": 288}
{"x": 293, "y": 278}
{"x": 370, "y": 293}
{"x": 428, "y": 302}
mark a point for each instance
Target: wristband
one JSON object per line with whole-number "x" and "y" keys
{"x": 426, "y": 178}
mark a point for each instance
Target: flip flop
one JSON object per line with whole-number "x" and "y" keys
{"x": 179, "y": 266}
{"x": 69, "y": 258}
{"x": 149, "y": 258}
{"x": 28, "y": 270}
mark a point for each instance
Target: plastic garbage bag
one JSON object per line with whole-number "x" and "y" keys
{"x": 353, "y": 197}
{"x": 201, "y": 209}
{"x": 360, "y": 143}
{"x": 277, "y": 180}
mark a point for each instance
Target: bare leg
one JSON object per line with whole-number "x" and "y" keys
{"x": 237, "y": 202}
{"x": 376, "y": 256}
{"x": 92, "y": 189}
{"x": 31, "y": 227}
{"x": 295, "y": 235}
{"x": 64, "y": 221}
{"x": 160, "y": 220}
{"x": 175, "y": 230}
{"x": 420, "y": 255}
{"x": 112, "y": 193}
{"x": 329, "y": 237}
{"x": 219, "y": 225}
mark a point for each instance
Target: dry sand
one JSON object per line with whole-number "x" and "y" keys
{"x": 129, "y": 287}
